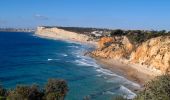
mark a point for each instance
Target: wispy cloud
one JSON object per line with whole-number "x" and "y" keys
{"x": 40, "y": 17}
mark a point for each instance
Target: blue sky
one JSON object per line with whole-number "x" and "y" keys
{"x": 123, "y": 14}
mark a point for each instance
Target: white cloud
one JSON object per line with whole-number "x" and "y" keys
{"x": 41, "y": 17}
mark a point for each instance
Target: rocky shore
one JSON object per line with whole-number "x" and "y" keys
{"x": 139, "y": 63}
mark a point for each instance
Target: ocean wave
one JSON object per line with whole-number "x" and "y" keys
{"x": 124, "y": 81}
{"x": 73, "y": 46}
{"x": 105, "y": 72}
{"x": 65, "y": 55}
{"x": 34, "y": 35}
{"x": 127, "y": 93}
{"x": 52, "y": 59}
{"x": 85, "y": 61}
{"x": 62, "y": 54}
{"x": 123, "y": 91}
{"x": 49, "y": 59}
{"x": 117, "y": 79}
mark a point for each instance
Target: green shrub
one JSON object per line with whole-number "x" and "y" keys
{"x": 119, "y": 98}
{"x": 56, "y": 89}
{"x": 26, "y": 93}
{"x": 3, "y": 91}
{"x": 2, "y": 98}
{"x": 117, "y": 32}
{"x": 157, "y": 89}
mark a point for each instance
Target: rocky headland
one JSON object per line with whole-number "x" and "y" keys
{"x": 139, "y": 61}
{"x": 150, "y": 58}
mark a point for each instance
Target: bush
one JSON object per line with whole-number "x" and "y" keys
{"x": 2, "y": 98}
{"x": 158, "y": 89}
{"x": 56, "y": 89}
{"x": 117, "y": 32}
{"x": 26, "y": 93}
{"x": 3, "y": 91}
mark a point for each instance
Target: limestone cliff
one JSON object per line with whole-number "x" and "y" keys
{"x": 115, "y": 47}
{"x": 56, "y": 33}
{"x": 154, "y": 53}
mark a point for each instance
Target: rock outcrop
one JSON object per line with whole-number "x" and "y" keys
{"x": 115, "y": 47}
{"x": 154, "y": 53}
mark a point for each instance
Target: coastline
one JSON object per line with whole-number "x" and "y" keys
{"x": 92, "y": 43}
{"x": 133, "y": 72}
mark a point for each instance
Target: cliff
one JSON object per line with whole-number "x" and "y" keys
{"x": 56, "y": 33}
{"x": 153, "y": 53}
{"x": 116, "y": 47}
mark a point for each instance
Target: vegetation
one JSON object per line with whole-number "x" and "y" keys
{"x": 117, "y": 32}
{"x": 135, "y": 36}
{"x": 119, "y": 98}
{"x": 54, "y": 90}
{"x": 139, "y": 36}
{"x": 157, "y": 89}
{"x": 80, "y": 30}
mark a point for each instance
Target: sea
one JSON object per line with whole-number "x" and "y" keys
{"x": 27, "y": 59}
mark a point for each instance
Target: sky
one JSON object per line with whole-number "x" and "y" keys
{"x": 115, "y": 14}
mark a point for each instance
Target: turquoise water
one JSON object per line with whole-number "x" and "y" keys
{"x": 27, "y": 59}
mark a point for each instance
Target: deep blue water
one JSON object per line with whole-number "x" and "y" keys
{"x": 28, "y": 59}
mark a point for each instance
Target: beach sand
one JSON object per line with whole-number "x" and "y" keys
{"x": 135, "y": 73}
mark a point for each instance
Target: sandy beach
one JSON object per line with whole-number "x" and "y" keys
{"x": 135, "y": 73}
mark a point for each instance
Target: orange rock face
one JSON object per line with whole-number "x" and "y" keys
{"x": 113, "y": 47}
{"x": 103, "y": 41}
{"x": 154, "y": 53}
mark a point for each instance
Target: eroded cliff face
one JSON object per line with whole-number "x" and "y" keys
{"x": 115, "y": 47}
{"x": 56, "y": 33}
{"x": 154, "y": 53}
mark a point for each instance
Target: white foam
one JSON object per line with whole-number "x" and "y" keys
{"x": 99, "y": 75}
{"x": 109, "y": 92}
{"x": 64, "y": 55}
{"x": 79, "y": 62}
{"x": 104, "y": 71}
{"x": 86, "y": 62}
{"x": 73, "y": 47}
{"x": 51, "y": 59}
{"x": 121, "y": 78}
{"x": 127, "y": 93}
{"x": 34, "y": 35}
